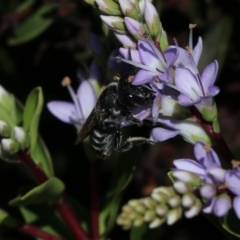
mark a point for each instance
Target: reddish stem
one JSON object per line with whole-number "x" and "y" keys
{"x": 36, "y": 232}
{"x": 94, "y": 198}
{"x": 66, "y": 212}
{"x": 221, "y": 145}
{"x": 62, "y": 206}
{"x": 24, "y": 157}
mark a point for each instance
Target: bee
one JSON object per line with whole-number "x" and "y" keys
{"x": 112, "y": 109}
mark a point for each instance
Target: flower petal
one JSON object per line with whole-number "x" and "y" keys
{"x": 222, "y": 205}
{"x": 209, "y": 75}
{"x": 133, "y": 54}
{"x": 87, "y": 98}
{"x": 142, "y": 77}
{"x": 184, "y": 100}
{"x": 208, "y": 207}
{"x": 189, "y": 165}
{"x": 62, "y": 110}
{"x": 197, "y": 51}
{"x": 236, "y": 206}
{"x": 149, "y": 57}
{"x": 126, "y": 40}
{"x": 162, "y": 134}
{"x": 207, "y": 158}
{"x": 217, "y": 173}
{"x": 187, "y": 83}
{"x": 171, "y": 55}
{"x": 213, "y": 91}
{"x": 232, "y": 179}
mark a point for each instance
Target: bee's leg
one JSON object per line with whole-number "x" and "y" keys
{"x": 130, "y": 142}
{"x": 134, "y": 120}
{"x": 117, "y": 139}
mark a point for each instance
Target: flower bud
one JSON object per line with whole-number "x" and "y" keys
{"x": 174, "y": 201}
{"x": 188, "y": 200}
{"x": 157, "y": 222}
{"x": 152, "y": 19}
{"x": 130, "y": 8}
{"x": 138, "y": 222}
{"x": 149, "y": 215}
{"x": 91, "y": 2}
{"x": 174, "y": 215}
{"x": 110, "y": 7}
{"x": 114, "y": 23}
{"x": 159, "y": 196}
{"x": 187, "y": 177}
{"x": 208, "y": 191}
{"x": 136, "y": 29}
{"x": 162, "y": 210}
{"x": 168, "y": 191}
{"x": 9, "y": 145}
{"x": 163, "y": 40}
{"x": 21, "y": 137}
{"x": 194, "y": 210}
{"x": 5, "y": 130}
{"x": 126, "y": 40}
{"x": 148, "y": 202}
{"x": 222, "y": 205}
{"x": 181, "y": 187}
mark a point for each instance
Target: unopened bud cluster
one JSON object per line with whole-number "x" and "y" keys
{"x": 131, "y": 20}
{"x": 12, "y": 139}
{"x": 164, "y": 205}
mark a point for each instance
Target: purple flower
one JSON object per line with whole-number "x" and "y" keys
{"x": 154, "y": 64}
{"x": 77, "y": 112}
{"x": 195, "y": 89}
{"x": 232, "y": 182}
{"x": 188, "y": 129}
{"x": 207, "y": 166}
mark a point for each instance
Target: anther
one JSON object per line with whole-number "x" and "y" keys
{"x": 235, "y": 163}
{"x": 207, "y": 147}
{"x": 66, "y": 81}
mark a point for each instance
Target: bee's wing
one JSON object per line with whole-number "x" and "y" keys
{"x": 87, "y": 127}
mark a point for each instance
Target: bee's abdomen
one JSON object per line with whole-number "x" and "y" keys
{"x": 101, "y": 143}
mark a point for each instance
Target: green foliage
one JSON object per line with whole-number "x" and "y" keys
{"x": 230, "y": 223}
{"x": 49, "y": 191}
{"x": 31, "y": 117}
{"x": 7, "y": 220}
{"x": 26, "y": 4}
{"x": 143, "y": 233}
{"x": 33, "y": 26}
{"x": 46, "y": 218}
{"x": 121, "y": 176}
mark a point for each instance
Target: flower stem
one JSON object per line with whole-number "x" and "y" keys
{"x": 94, "y": 198}
{"x": 36, "y": 232}
{"x": 71, "y": 220}
{"x": 62, "y": 206}
{"x": 219, "y": 142}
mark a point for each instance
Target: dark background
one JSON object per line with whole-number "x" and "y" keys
{"x": 63, "y": 48}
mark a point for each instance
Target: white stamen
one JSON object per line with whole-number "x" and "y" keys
{"x": 66, "y": 82}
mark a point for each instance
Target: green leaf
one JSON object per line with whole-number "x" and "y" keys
{"x": 121, "y": 177}
{"x": 42, "y": 157}
{"x": 31, "y": 115}
{"x": 143, "y": 233}
{"x": 46, "y": 218}
{"x": 170, "y": 175}
{"x": 26, "y": 4}
{"x": 33, "y": 26}
{"x": 5, "y": 116}
{"x": 230, "y": 223}
{"x": 7, "y": 220}
{"x": 50, "y": 190}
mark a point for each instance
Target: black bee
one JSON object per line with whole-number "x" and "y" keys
{"x": 111, "y": 110}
